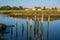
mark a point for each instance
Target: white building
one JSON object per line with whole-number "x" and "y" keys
{"x": 37, "y": 8}
{"x": 28, "y": 9}
{"x": 58, "y": 10}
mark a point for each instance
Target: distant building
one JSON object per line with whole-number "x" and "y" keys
{"x": 33, "y": 9}
{"x": 58, "y": 9}
{"x": 37, "y": 8}
{"x": 27, "y": 9}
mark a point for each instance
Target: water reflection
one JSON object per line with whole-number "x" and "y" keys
{"x": 33, "y": 27}
{"x": 22, "y": 30}
{"x": 37, "y": 30}
{"x": 41, "y": 31}
{"x": 27, "y": 29}
{"x": 48, "y": 28}
{"x": 30, "y": 29}
{"x": 11, "y": 32}
{"x": 16, "y": 28}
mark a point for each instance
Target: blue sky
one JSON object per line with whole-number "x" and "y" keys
{"x": 31, "y": 3}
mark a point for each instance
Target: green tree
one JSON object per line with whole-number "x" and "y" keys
{"x": 44, "y": 8}
{"x": 5, "y": 8}
{"x": 20, "y": 7}
{"x": 15, "y": 8}
{"x": 54, "y": 8}
{"x": 37, "y": 7}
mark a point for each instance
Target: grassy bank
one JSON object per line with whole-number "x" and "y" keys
{"x": 30, "y": 12}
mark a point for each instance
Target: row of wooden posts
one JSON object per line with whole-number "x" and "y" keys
{"x": 41, "y": 29}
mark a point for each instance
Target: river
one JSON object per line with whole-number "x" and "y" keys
{"x": 29, "y": 29}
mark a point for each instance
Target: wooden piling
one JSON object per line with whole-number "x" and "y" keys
{"x": 42, "y": 18}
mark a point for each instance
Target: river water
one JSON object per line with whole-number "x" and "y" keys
{"x": 29, "y": 29}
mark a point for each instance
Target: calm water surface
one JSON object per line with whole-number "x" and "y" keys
{"x": 26, "y": 31}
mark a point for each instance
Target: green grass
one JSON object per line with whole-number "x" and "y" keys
{"x": 31, "y": 12}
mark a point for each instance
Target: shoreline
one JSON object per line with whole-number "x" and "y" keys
{"x": 30, "y": 13}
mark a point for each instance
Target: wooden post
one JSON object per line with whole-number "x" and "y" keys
{"x": 48, "y": 18}
{"x": 35, "y": 18}
{"x": 42, "y": 18}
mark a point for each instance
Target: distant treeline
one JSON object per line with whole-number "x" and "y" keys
{"x": 11, "y": 8}
{"x": 21, "y": 8}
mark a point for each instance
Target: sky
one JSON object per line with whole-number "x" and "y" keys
{"x": 31, "y": 3}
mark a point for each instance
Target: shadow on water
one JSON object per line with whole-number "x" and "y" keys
{"x": 2, "y": 37}
{"x": 4, "y": 30}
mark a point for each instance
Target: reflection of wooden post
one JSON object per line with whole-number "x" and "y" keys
{"x": 48, "y": 28}
{"x": 22, "y": 29}
{"x": 30, "y": 28}
{"x": 41, "y": 31}
{"x": 11, "y": 33}
{"x": 16, "y": 28}
{"x": 35, "y": 29}
{"x": 41, "y": 28}
{"x": 27, "y": 28}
